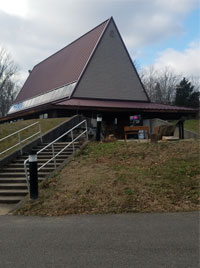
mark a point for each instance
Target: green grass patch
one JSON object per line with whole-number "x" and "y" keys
{"x": 100, "y": 149}
{"x": 192, "y": 125}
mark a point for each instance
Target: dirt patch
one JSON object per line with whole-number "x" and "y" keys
{"x": 115, "y": 178}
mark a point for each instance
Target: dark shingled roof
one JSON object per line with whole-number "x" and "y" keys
{"x": 63, "y": 67}
{"x": 122, "y": 105}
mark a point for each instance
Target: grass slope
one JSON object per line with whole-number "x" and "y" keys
{"x": 115, "y": 178}
{"x": 8, "y": 128}
{"x": 192, "y": 125}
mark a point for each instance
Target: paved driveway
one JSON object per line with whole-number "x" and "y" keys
{"x": 127, "y": 240}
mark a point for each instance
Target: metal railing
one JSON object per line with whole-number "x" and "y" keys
{"x": 20, "y": 141}
{"x": 51, "y": 145}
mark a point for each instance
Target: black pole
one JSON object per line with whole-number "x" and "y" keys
{"x": 98, "y": 130}
{"x": 181, "y": 128}
{"x": 180, "y": 131}
{"x": 33, "y": 175}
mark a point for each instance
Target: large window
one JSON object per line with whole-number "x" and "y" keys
{"x": 47, "y": 97}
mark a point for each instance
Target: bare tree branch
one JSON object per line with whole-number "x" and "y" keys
{"x": 160, "y": 84}
{"x": 7, "y": 83}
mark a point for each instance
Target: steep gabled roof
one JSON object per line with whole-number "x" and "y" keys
{"x": 62, "y": 68}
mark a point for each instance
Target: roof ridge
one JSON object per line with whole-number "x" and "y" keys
{"x": 72, "y": 42}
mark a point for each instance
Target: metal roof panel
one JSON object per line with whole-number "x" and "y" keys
{"x": 63, "y": 67}
{"x": 122, "y": 105}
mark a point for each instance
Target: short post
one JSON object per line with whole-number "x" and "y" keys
{"x": 181, "y": 128}
{"x": 86, "y": 129}
{"x": 98, "y": 130}
{"x": 33, "y": 176}
{"x": 53, "y": 152}
{"x": 72, "y": 136}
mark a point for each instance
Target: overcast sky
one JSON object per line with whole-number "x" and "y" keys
{"x": 161, "y": 32}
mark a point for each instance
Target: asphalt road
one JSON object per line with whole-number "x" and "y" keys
{"x": 127, "y": 240}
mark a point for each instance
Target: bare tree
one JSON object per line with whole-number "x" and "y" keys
{"x": 160, "y": 84}
{"x": 7, "y": 83}
{"x": 195, "y": 81}
{"x": 149, "y": 79}
{"x": 168, "y": 80}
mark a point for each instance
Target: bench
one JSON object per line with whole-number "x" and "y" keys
{"x": 134, "y": 130}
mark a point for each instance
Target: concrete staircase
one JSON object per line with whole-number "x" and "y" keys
{"x": 13, "y": 185}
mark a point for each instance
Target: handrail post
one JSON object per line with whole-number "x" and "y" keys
{"x": 86, "y": 129}
{"x": 40, "y": 131}
{"x": 72, "y": 136}
{"x": 98, "y": 129}
{"x": 20, "y": 144}
{"x": 26, "y": 174}
{"x": 54, "y": 159}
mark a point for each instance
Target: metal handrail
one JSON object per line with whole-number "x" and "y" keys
{"x": 19, "y": 137}
{"x": 51, "y": 144}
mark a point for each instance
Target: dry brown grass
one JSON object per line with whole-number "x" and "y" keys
{"x": 115, "y": 178}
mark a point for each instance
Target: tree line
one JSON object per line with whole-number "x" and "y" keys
{"x": 166, "y": 87}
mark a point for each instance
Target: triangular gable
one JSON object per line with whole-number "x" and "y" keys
{"x": 110, "y": 73}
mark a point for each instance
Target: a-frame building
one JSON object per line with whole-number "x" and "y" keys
{"x": 92, "y": 74}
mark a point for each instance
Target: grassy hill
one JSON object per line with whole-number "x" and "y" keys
{"x": 8, "y": 128}
{"x": 192, "y": 125}
{"x": 116, "y": 178}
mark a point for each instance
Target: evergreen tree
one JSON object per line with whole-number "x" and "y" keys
{"x": 158, "y": 93}
{"x": 185, "y": 95}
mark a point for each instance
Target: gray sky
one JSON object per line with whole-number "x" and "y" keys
{"x": 161, "y": 32}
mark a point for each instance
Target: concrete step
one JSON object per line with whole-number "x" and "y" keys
{"x": 16, "y": 180}
{"x": 48, "y": 155}
{"x": 19, "y": 174}
{"x": 40, "y": 161}
{"x": 13, "y": 180}
{"x": 13, "y": 192}
{"x": 7, "y": 186}
{"x": 21, "y": 165}
{"x": 21, "y": 169}
{"x": 59, "y": 143}
{"x": 57, "y": 146}
{"x": 45, "y": 158}
{"x": 10, "y": 199}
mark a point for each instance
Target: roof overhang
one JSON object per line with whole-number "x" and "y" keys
{"x": 94, "y": 104}
{"x": 107, "y": 106}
